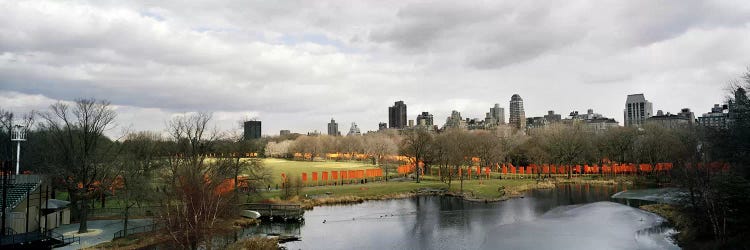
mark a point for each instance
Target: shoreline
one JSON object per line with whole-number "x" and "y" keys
{"x": 510, "y": 193}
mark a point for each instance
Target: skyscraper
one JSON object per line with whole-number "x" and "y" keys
{"x": 397, "y": 115}
{"x": 251, "y": 130}
{"x": 637, "y": 110}
{"x": 517, "y": 117}
{"x": 425, "y": 119}
{"x": 333, "y": 128}
{"x": 497, "y": 114}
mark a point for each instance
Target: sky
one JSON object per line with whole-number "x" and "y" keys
{"x": 296, "y": 64}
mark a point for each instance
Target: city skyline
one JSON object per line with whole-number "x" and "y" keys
{"x": 294, "y": 69}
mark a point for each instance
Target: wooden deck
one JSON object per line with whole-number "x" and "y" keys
{"x": 280, "y": 211}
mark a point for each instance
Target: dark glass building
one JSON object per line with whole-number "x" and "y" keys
{"x": 251, "y": 130}
{"x": 397, "y": 115}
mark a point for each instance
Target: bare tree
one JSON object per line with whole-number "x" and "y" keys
{"x": 456, "y": 144}
{"x": 234, "y": 151}
{"x": 84, "y": 154}
{"x": 415, "y": 144}
{"x": 617, "y": 144}
{"x": 139, "y": 162}
{"x": 307, "y": 145}
{"x": 488, "y": 148}
{"x": 194, "y": 202}
{"x": 380, "y": 146}
{"x": 568, "y": 145}
{"x": 351, "y": 144}
{"x": 536, "y": 153}
{"x": 655, "y": 145}
{"x": 280, "y": 149}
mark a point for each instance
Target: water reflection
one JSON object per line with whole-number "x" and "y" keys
{"x": 434, "y": 222}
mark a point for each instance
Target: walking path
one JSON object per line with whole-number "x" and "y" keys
{"x": 99, "y": 231}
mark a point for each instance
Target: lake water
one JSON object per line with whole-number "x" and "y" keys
{"x": 567, "y": 217}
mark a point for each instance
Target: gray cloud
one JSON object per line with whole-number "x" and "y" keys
{"x": 296, "y": 64}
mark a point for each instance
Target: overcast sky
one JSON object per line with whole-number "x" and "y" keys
{"x": 296, "y": 64}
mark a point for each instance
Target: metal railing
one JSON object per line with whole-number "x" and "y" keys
{"x": 284, "y": 210}
{"x": 117, "y": 211}
{"x": 63, "y": 239}
{"x": 137, "y": 230}
{"x": 37, "y": 236}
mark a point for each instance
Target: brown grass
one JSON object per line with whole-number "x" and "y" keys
{"x": 135, "y": 241}
{"x": 255, "y": 243}
{"x": 243, "y": 222}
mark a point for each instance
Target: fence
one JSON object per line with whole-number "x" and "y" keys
{"x": 271, "y": 210}
{"x": 118, "y": 211}
{"x": 63, "y": 239}
{"x": 31, "y": 238}
{"x": 136, "y": 230}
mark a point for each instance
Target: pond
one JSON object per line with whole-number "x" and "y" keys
{"x": 566, "y": 217}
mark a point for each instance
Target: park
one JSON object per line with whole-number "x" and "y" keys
{"x": 193, "y": 187}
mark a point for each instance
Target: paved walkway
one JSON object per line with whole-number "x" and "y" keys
{"x": 100, "y": 231}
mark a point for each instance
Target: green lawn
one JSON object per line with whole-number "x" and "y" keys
{"x": 373, "y": 189}
{"x": 479, "y": 188}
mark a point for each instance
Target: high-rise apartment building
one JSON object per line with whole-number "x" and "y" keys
{"x": 517, "y": 118}
{"x": 251, "y": 130}
{"x": 425, "y": 119}
{"x": 685, "y": 112}
{"x": 637, "y": 110}
{"x": 333, "y": 128}
{"x": 397, "y": 115}
{"x": 717, "y": 118}
{"x": 454, "y": 121}
{"x": 497, "y": 114}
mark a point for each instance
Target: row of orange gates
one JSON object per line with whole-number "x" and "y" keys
{"x": 577, "y": 169}
{"x": 333, "y": 177}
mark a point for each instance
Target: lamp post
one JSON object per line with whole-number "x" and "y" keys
{"x": 18, "y": 135}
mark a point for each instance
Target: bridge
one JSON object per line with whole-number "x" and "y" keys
{"x": 276, "y": 211}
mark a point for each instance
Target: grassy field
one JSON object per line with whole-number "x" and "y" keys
{"x": 486, "y": 189}
{"x": 480, "y": 189}
{"x": 295, "y": 169}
